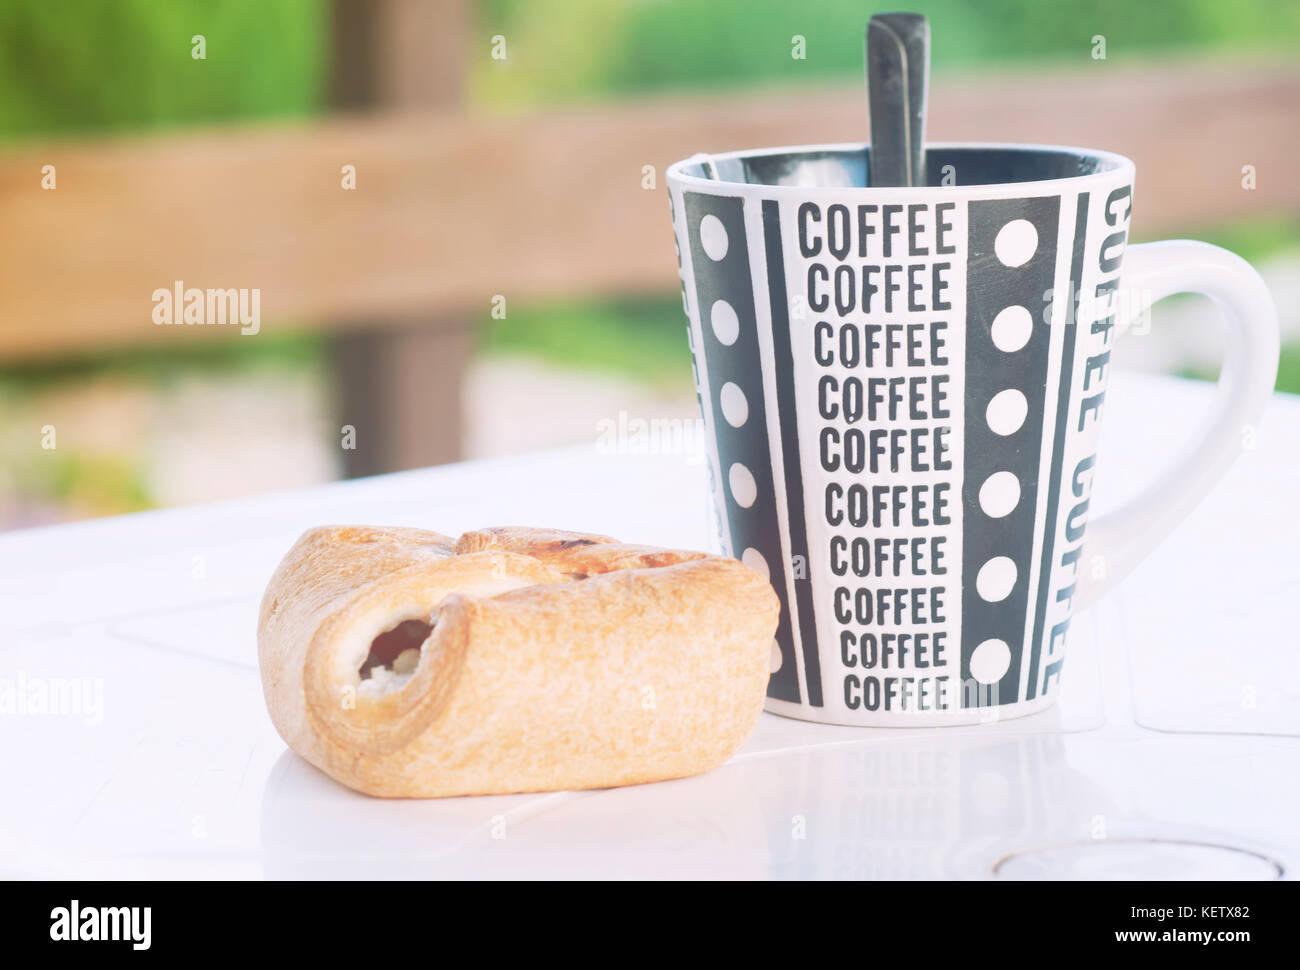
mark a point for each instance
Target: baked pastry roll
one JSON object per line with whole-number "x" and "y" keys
{"x": 404, "y": 663}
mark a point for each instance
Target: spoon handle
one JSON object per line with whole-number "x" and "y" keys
{"x": 898, "y": 64}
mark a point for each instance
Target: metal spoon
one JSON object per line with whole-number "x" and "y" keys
{"x": 898, "y": 65}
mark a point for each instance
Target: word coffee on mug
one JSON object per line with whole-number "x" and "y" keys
{"x": 903, "y": 388}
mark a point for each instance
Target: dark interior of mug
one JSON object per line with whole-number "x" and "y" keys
{"x": 849, "y": 167}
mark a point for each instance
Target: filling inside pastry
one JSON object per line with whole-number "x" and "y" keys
{"x": 393, "y": 656}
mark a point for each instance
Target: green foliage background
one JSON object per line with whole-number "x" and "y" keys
{"x": 91, "y": 65}
{"x": 590, "y": 48}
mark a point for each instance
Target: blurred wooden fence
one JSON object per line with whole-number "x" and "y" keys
{"x": 452, "y": 208}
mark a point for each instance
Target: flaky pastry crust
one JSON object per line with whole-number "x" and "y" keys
{"x": 553, "y": 660}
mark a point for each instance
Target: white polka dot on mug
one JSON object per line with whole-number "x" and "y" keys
{"x": 1016, "y": 242}
{"x": 713, "y": 237}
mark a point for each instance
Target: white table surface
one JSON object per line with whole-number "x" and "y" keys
{"x": 1174, "y": 751}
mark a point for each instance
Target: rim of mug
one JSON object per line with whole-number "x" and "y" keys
{"x": 1116, "y": 163}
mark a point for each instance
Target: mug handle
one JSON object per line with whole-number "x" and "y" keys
{"x": 1124, "y": 536}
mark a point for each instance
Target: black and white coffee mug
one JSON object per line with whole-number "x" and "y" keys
{"x": 903, "y": 389}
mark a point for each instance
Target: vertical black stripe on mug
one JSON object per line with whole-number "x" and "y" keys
{"x": 724, "y": 297}
{"x": 1058, "y": 447}
{"x": 787, "y": 413}
{"x": 1011, "y": 267}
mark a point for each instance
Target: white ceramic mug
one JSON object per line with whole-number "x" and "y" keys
{"x": 903, "y": 389}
